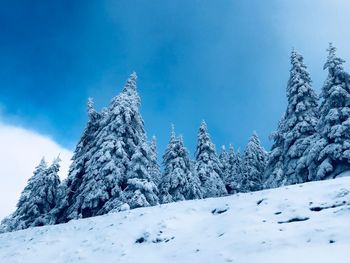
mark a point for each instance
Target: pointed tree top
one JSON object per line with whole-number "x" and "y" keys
{"x": 223, "y": 148}
{"x": 57, "y": 160}
{"x": 181, "y": 139}
{"x": 296, "y": 58}
{"x": 203, "y": 127}
{"x": 90, "y": 106}
{"x": 131, "y": 82}
{"x": 42, "y": 164}
{"x": 333, "y": 62}
{"x": 231, "y": 148}
{"x": 172, "y": 132}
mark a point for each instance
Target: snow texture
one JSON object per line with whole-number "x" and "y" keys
{"x": 301, "y": 223}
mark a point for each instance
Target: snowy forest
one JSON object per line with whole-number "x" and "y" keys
{"x": 115, "y": 166}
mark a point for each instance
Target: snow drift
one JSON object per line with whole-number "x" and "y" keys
{"x": 301, "y": 223}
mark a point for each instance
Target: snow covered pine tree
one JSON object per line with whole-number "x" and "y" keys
{"x": 154, "y": 168}
{"x": 36, "y": 200}
{"x": 207, "y": 165}
{"x": 66, "y": 209}
{"x": 254, "y": 162}
{"x": 225, "y": 165}
{"x": 329, "y": 154}
{"x": 295, "y": 130}
{"x": 107, "y": 179}
{"x": 178, "y": 181}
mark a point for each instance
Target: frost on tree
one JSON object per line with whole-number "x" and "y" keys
{"x": 234, "y": 183}
{"x": 37, "y": 199}
{"x": 154, "y": 168}
{"x": 230, "y": 170}
{"x": 254, "y": 162}
{"x": 207, "y": 165}
{"x": 119, "y": 137}
{"x": 78, "y": 168}
{"x": 330, "y": 151}
{"x": 225, "y": 167}
{"x": 141, "y": 191}
{"x": 178, "y": 181}
{"x": 295, "y": 130}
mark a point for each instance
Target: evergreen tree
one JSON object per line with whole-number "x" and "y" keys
{"x": 235, "y": 182}
{"x": 154, "y": 168}
{"x": 224, "y": 161}
{"x": 254, "y": 164}
{"x": 298, "y": 125}
{"x": 207, "y": 166}
{"x": 274, "y": 172}
{"x": 82, "y": 154}
{"x": 178, "y": 181}
{"x": 141, "y": 191}
{"x": 118, "y": 141}
{"x": 37, "y": 199}
{"x": 329, "y": 153}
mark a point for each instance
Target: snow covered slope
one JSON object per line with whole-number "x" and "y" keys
{"x": 301, "y": 223}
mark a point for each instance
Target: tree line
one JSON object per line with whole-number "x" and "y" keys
{"x": 115, "y": 167}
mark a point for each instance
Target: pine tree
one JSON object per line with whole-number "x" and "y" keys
{"x": 329, "y": 154}
{"x": 119, "y": 138}
{"x": 82, "y": 154}
{"x": 274, "y": 172}
{"x": 154, "y": 168}
{"x": 236, "y": 169}
{"x": 223, "y": 157}
{"x": 298, "y": 125}
{"x": 225, "y": 167}
{"x": 254, "y": 164}
{"x": 37, "y": 199}
{"x": 141, "y": 191}
{"x": 178, "y": 181}
{"x": 207, "y": 166}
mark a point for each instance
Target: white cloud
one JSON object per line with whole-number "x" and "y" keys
{"x": 20, "y": 152}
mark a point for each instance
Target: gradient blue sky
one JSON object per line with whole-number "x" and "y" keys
{"x": 223, "y": 61}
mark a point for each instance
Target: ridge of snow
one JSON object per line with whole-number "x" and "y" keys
{"x": 301, "y": 223}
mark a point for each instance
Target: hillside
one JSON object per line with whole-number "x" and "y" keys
{"x": 301, "y": 223}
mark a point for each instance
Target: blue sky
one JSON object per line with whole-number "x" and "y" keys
{"x": 223, "y": 61}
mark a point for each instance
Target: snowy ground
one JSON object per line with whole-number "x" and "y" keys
{"x": 301, "y": 223}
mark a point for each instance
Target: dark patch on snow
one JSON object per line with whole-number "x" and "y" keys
{"x": 218, "y": 211}
{"x": 295, "y": 219}
{"x": 140, "y": 240}
{"x": 260, "y": 201}
{"x": 331, "y": 241}
{"x": 320, "y": 208}
{"x": 220, "y": 235}
{"x": 278, "y": 213}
